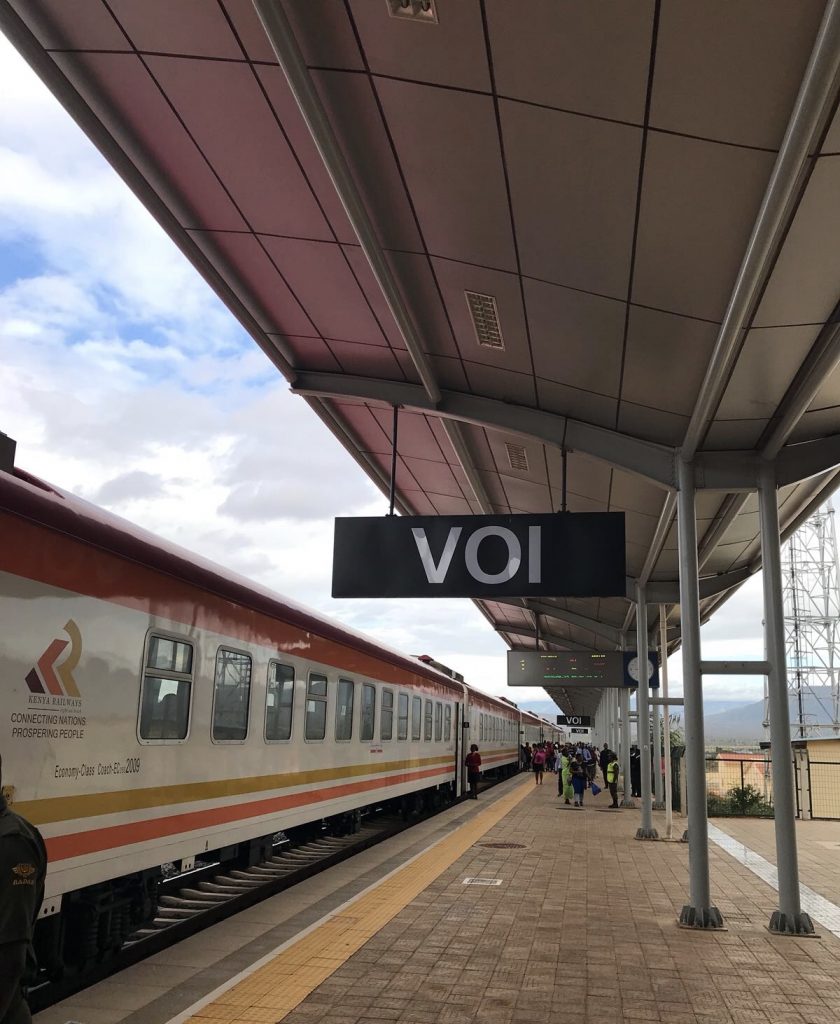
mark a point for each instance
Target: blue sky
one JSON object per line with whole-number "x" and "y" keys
{"x": 126, "y": 381}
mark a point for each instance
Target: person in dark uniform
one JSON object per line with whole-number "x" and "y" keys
{"x": 23, "y": 868}
{"x": 473, "y": 763}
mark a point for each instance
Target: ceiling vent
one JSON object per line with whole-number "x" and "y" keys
{"x": 517, "y": 457}
{"x": 416, "y": 10}
{"x": 485, "y": 318}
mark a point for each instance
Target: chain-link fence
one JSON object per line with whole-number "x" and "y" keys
{"x": 739, "y": 787}
{"x": 824, "y": 787}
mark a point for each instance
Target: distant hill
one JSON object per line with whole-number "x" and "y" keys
{"x": 744, "y": 724}
{"x": 732, "y": 721}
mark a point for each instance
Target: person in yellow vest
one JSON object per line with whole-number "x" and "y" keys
{"x": 612, "y": 778}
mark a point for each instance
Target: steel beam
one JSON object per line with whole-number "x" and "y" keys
{"x": 735, "y": 668}
{"x": 611, "y": 633}
{"x": 550, "y": 638}
{"x": 797, "y": 462}
{"x": 668, "y": 591}
{"x": 814, "y": 104}
{"x": 818, "y": 366}
{"x": 644, "y": 458}
{"x": 291, "y": 60}
{"x": 726, "y": 471}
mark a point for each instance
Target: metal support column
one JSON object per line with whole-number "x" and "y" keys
{"x": 658, "y": 794}
{"x": 646, "y": 829}
{"x": 614, "y": 717}
{"x": 789, "y": 918}
{"x": 699, "y": 912}
{"x": 663, "y": 684}
{"x": 624, "y": 701}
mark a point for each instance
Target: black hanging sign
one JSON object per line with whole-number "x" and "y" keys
{"x": 584, "y": 720}
{"x": 571, "y": 554}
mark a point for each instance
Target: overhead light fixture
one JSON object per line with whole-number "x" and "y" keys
{"x": 416, "y": 10}
{"x": 517, "y": 457}
{"x": 485, "y": 319}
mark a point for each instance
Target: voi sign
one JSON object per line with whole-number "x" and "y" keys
{"x": 558, "y": 555}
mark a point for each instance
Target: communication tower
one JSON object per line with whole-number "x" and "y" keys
{"x": 812, "y": 625}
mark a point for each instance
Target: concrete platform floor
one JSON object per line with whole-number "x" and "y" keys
{"x": 581, "y": 927}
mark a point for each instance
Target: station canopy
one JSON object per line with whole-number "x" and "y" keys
{"x": 609, "y": 228}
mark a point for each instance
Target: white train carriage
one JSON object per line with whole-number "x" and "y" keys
{"x": 536, "y": 729}
{"x": 157, "y": 709}
{"x": 494, "y": 727}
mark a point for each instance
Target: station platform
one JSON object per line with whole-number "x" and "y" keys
{"x": 514, "y": 908}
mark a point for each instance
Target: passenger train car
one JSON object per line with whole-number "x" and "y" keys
{"x": 157, "y": 709}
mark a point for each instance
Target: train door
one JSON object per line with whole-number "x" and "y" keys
{"x": 459, "y": 749}
{"x": 462, "y": 740}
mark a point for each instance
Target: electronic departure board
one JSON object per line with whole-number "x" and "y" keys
{"x": 579, "y": 668}
{"x": 565, "y": 668}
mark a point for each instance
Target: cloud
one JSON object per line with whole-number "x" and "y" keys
{"x": 129, "y": 487}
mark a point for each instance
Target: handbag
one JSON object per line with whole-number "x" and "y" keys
{"x": 596, "y": 789}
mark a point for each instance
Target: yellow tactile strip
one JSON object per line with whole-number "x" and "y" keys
{"x": 284, "y": 979}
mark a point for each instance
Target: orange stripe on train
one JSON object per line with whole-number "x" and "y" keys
{"x": 96, "y": 840}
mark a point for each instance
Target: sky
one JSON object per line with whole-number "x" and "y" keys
{"x": 125, "y": 380}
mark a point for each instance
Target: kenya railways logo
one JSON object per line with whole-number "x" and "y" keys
{"x": 57, "y": 679}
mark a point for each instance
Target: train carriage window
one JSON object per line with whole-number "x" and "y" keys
{"x": 386, "y": 715}
{"x": 447, "y": 722}
{"x": 416, "y": 717}
{"x": 368, "y": 711}
{"x": 427, "y": 721}
{"x": 231, "y": 696}
{"x": 344, "y": 709}
{"x": 315, "y": 720}
{"x": 166, "y": 690}
{"x": 438, "y": 722}
{"x": 402, "y": 718}
{"x": 279, "y": 700}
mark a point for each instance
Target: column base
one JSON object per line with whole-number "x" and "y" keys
{"x": 647, "y": 833}
{"x": 790, "y": 924}
{"x": 628, "y": 801}
{"x": 708, "y": 918}
{"x": 659, "y": 805}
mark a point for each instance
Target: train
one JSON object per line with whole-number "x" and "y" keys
{"x": 159, "y": 711}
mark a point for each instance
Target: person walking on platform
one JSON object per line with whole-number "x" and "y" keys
{"x": 23, "y": 867}
{"x": 564, "y": 779}
{"x": 611, "y": 775}
{"x": 538, "y": 761}
{"x": 603, "y": 761}
{"x": 473, "y": 765}
{"x": 578, "y": 780}
{"x": 550, "y": 758}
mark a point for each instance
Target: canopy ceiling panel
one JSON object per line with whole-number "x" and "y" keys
{"x": 651, "y": 239}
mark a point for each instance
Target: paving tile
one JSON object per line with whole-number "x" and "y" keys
{"x": 583, "y": 927}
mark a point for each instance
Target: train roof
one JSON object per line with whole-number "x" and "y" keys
{"x": 25, "y": 495}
